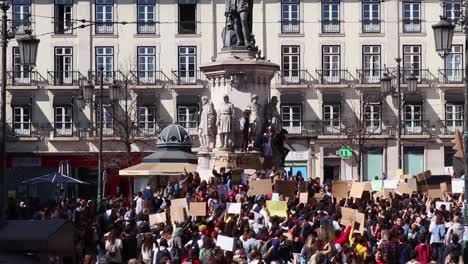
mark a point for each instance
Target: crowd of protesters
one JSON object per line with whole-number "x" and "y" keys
{"x": 398, "y": 229}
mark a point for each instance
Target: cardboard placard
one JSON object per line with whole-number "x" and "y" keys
{"x": 412, "y": 183}
{"x": 277, "y": 208}
{"x": 445, "y": 187}
{"x": 458, "y": 186}
{"x": 303, "y": 198}
{"x": 225, "y": 243}
{"x": 403, "y": 188}
{"x": 157, "y": 218}
{"x": 198, "y": 209}
{"x": 398, "y": 173}
{"x": 286, "y": 188}
{"x": 250, "y": 171}
{"x": 357, "y": 189}
{"x": 435, "y": 193}
{"x": 340, "y": 189}
{"x": 447, "y": 205}
{"x": 390, "y": 184}
{"x": 347, "y": 216}
{"x": 361, "y": 219}
{"x": 181, "y": 202}
{"x": 423, "y": 176}
{"x": 259, "y": 187}
{"x": 233, "y": 208}
{"x": 382, "y": 194}
{"x": 318, "y": 196}
{"x": 178, "y": 214}
{"x": 376, "y": 185}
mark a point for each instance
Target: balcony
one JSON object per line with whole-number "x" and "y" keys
{"x": 450, "y": 126}
{"x": 411, "y": 26}
{"x": 330, "y": 26}
{"x": 371, "y": 26}
{"x": 63, "y": 27}
{"x": 107, "y": 130}
{"x": 451, "y": 76}
{"x": 65, "y": 129}
{"x": 104, "y": 27}
{"x": 146, "y": 27}
{"x": 108, "y": 77}
{"x": 20, "y": 26}
{"x": 294, "y": 78}
{"x": 424, "y": 75}
{"x": 332, "y": 127}
{"x": 370, "y": 76}
{"x": 21, "y": 129}
{"x": 187, "y": 79}
{"x": 415, "y": 127}
{"x": 26, "y": 78}
{"x": 290, "y": 26}
{"x": 335, "y": 76}
{"x": 187, "y": 27}
{"x": 65, "y": 78}
{"x": 157, "y": 78}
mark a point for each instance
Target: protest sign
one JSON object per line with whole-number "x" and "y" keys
{"x": 236, "y": 177}
{"x": 178, "y": 214}
{"x": 157, "y": 218}
{"x": 181, "y": 202}
{"x": 390, "y": 184}
{"x": 233, "y": 208}
{"x": 376, "y": 185}
{"x": 357, "y": 189}
{"x": 198, "y": 209}
{"x": 458, "y": 185}
{"x": 250, "y": 171}
{"x": 435, "y": 193}
{"x": 347, "y": 216}
{"x": 318, "y": 196}
{"x": 225, "y": 242}
{"x": 277, "y": 208}
{"x": 382, "y": 194}
{"x": 445, "y": 187}
{"x": 259, "y": 187}
{"x": 340, "y": 189}
{"x": 360, "y": 218}
{"x": 286, "y": 188}
{"x": 275, "y": 197}
{"x": 413, "y": 184}
{"x": 423, "y": 176}
{"x": 303, "y": 198}
{"x": 447, "y": 205}
{"x": 403, "y": 188}
{"x": 398, "y": 173}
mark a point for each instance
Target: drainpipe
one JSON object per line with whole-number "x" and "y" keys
{"x": 215, "y": 30}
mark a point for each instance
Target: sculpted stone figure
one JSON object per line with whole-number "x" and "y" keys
{"x": 207, "y": 126}
{"x": 272, "y": 116}
{"x": 256, "y": 122}
{"x": 225, "y": 118}
{"x": 238, "y": 23}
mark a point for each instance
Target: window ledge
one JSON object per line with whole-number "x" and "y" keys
{"x": 188, "y": 35}
{"x": 149, "y": 35}
{"x": 377, "y": 34}
{"x": 63, "y": 36}
{"x": 331, "y": 34}
{"x": 105, "y": 36}
{"x": 411, "y": 34}
{"x": 289, "y": 35}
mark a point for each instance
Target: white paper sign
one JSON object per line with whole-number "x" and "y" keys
{"x": 275, "y": 197}
{"x": 447, "y": 205}
{"x": 390, "y": 184}
{"x": 233, "y": 208}
{"x": 458, "y": 185}
{"x": 225, "y": 243}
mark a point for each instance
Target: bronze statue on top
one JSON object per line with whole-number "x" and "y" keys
{"x": 238, "y": 29}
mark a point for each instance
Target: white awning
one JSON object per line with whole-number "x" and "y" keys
{"x": 158, "y": 169}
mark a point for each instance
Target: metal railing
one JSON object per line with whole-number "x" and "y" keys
{"x": 20, "y": 26}
{"x": 293, "y": 127}
{"x": 21, "y": 129}
{"x": 63, "y": 27}
{"x": 424, "y": 75}
{"x": 415, "y": 127}
{"x": 411, "y": 26}
{"x": 335, "y": 76}
{"x": 108, "y": 129}
{"x": 108, "y": 77}
{"x": 332, "y": 127}
{"x": 371, "y": 26}
{"x": 290, "y": 26}
{"x": 104, "y": 28}
{"x": 458, "y": 27}
{"x": 291, "y": 77}
{"x": 149, "y": 77}
{"x": 146, "y": 27}
{"x": 191, "y": 127}
{"x": 65, "y": 78}
{"x": 450, "y": 126}
{"x": 330, "y": 26}
{"x": 448, "y": 76}
{"x": 370, "y": 76}
{"x": 187, "y": 27}
{"x": 188, "y": 77}
{"x": 26, "y": 78}
{"x": 65, "y": 129}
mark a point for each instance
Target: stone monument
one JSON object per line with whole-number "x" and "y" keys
{"x": 239, "y": 78}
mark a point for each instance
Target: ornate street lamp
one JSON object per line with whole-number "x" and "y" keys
{"x": 386, "y": 84}
{"x": 412, "y": 82}
{"x": 115, "y": 91}
{"x": 443, "y": 36}
{"x": 27, "y": 46}
{"x": 88, "y": 91}
{"x": 80, "y": 102}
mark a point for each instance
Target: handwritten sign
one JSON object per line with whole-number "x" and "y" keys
{"x": 233, "y": 208}
{"x": 157, "y": 218}
{"x": 198, "y": 209}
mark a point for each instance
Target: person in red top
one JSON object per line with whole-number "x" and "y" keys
{"x": 191, "y": 258}
{"x": 343, "y": 239}
{"x": 424, "y": 251}
{"x": 378, "y": 257}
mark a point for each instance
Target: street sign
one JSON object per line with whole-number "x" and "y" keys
{"x": 345, "y": 153}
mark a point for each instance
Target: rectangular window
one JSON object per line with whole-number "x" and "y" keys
{"x": 412, "y": 61}
{"x": 411, "y": 16}
{"x": 453, "y": 72}
{"x": 371, "y": 64}
{"x": 146, "y": 64}
{"x": 413, "y": 119}
{"x": 187, "y": 16}
{"x": 187, "y": 65}
{"x": 413, "y": 160}
{"x": 453, "y": 11}
{"x": 292, "y": 118}
{"x": 331, "y": 64}
{"x": 372, "y": 118}
{"x": 21, "y": 73}
{"x": 107, "y": 121}
{"x": 372, "y": 163}
{"x": 453, "y": 117}
{"x": 331, "y": 118}
{"x": 330, "y": 16}
{"x": 371, "y": 16}
{"x": 104, "y": 16}
{"x": 187, "y": 116}
{"x": 63, "y": 124}
{"x": 147, "y": 120}
{"x": 21, "y": 10}
{"x": 146, "y": 16}
{"x": 63, "y": 11}
{"x": 22, "y": 120}
{"x": 449, "y": 153}
{"x": 290, "y": 16}
{"x": 105, "y": 61}
{"x": 63, "y": 67}
{"x": 290, "y": 63}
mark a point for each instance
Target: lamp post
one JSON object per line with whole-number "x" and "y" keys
{"x": 387, "y": 88}
{"x": 443, "y": 36}
{"x": 28, "y": 54}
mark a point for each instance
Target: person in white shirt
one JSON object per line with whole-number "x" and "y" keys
{"x": 113, "y": 248}
{"x": 139, "y": 203}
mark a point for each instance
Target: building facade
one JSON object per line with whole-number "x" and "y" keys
{"x": 332, "y": 55}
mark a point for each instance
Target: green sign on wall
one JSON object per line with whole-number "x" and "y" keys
{"x": 345, "y": 153}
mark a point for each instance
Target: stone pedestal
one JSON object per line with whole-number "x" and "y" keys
{"x": 204, "y": 160}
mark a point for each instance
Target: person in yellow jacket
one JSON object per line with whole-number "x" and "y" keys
{"x": 357, "y": 242}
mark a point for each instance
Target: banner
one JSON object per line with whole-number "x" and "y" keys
{"x": 198, "y": 209}
{"x": 277, "y": 208}
{"x": 259, "y": 187}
